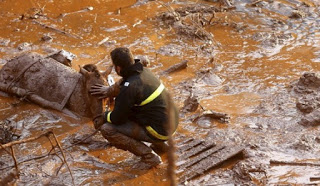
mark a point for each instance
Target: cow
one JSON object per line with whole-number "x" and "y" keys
{"x": 50, "y": 84}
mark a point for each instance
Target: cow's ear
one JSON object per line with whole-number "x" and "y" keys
{"x": 83, "y": 71}
{"x": 107, "y": 72}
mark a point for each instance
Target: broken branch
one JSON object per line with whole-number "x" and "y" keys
{"x": 179, "y": 66}
{"x": 57, "y": 30}
{"x": 314, "y": 178}
{"x": 47, "y": 134}
{"x": 64, "y": 157}
{"x": 103, "y": 41}
{"x": 276, "y": 162}
{"x": 90, "y": 8}
{"x": 15, "y": 160}
{"x": 25, "y": 140}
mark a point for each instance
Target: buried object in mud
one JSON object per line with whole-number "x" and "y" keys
{"x": 198, "y": 156}
{"x": 214, "y": 115}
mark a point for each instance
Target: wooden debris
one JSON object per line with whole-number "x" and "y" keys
{"x": 196, "y": 150}
{"x": 256, "y": 2}
{"x": 189, "y": 145}
{"x": 179, "y": 66}
{"x": 191, "y": 104}
{"x": 214, "y": 115}
{"x": 314, "y": 178}
{"x": 137, "y": 23}
{"x": 90, "y": 8}
{"x": 57, "y": 30}
{"x": 103, "y": 41}
{"x": 292, "y": 163}
{"x": 198, "y": 156}
{"x": 47, "y": 135}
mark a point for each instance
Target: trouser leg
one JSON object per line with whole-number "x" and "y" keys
{"x": 135, "y": 131}
{"x": 122, "y": 141}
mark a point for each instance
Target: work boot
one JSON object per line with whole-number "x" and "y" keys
{"x": 148, "y": 161}
{"x": 160, "y": 148}
{"x": 148, "y": 158}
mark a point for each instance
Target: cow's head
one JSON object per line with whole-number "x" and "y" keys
{"x": 92, "y": 76}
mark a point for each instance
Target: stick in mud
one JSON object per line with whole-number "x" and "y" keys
{"x": 314, "y": 179}
{"x": 47, "y": 134}
{"x": 103, "y": 41}
{"x": 57, "y": 30}
{"x": 179, "y": 66}
{"x": 90, "y": 8}
{"x": 276, "y": 162}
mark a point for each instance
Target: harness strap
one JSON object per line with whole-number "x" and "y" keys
{"x": 153, "y": 96}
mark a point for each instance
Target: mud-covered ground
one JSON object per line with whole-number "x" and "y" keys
{"x": 246, "y": 59}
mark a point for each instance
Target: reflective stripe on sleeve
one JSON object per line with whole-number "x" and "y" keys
{"x": 156, "y": 134}
{"x": 108, "y": 117}
{"x": 154, "y": 95}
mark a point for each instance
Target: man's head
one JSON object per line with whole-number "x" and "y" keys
{"x": 121, "y": 58}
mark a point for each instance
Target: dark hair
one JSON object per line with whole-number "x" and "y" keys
{"x": 122, "y": 57}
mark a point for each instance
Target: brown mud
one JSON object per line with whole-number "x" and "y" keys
{"x": 245, "y": 59}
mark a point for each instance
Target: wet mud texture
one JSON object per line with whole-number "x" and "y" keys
{"x": 252, "y": 61}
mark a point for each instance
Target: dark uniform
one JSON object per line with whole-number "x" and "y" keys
{"x": 143, "y": 111}
{"x": 144, "y": 101}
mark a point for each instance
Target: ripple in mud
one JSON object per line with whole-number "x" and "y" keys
{"x": 170, "y": 50}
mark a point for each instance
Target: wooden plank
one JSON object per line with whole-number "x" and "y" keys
{"x": 205, "y": 154}
{"x": 184, "y": 142}
{"x": 197, "y": 150}
{"x": 189, "y": 146}
{"x": 213, "y": 160}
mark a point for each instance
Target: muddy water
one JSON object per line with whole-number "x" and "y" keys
{"x": 256, "y": 51}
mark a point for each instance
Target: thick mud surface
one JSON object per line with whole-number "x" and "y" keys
{"x": 251, "y": 81}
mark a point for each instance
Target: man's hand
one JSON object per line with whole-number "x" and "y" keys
{"x": 100, "y": 90}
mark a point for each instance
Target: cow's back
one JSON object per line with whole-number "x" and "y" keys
{"x": 43, "y": 76}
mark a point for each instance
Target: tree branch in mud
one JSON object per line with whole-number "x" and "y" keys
{"x": 174, "y": 13}
{"x": 314, "y": 179}
{"x": 255, "y": 2}
{"x": 179, "y": 66}
{"x": 90, "y": 8}
{"x": 57, "y": 30}
{"x": 47, "y": 135}
{"x": 276, "y": 162}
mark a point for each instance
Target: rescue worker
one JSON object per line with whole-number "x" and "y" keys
{"x": 142, "y": 112}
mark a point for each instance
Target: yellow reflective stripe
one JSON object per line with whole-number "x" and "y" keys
{"x": 156, "y": 134}
{"x": 108, "y": 117}
{"x": 154, "y": 95}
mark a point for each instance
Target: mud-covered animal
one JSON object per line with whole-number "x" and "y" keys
{"x": 50, "y": 84}
{"x": 306, "y": 90}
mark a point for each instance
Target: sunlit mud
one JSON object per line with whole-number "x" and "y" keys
{"x": 243, "y": 61}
